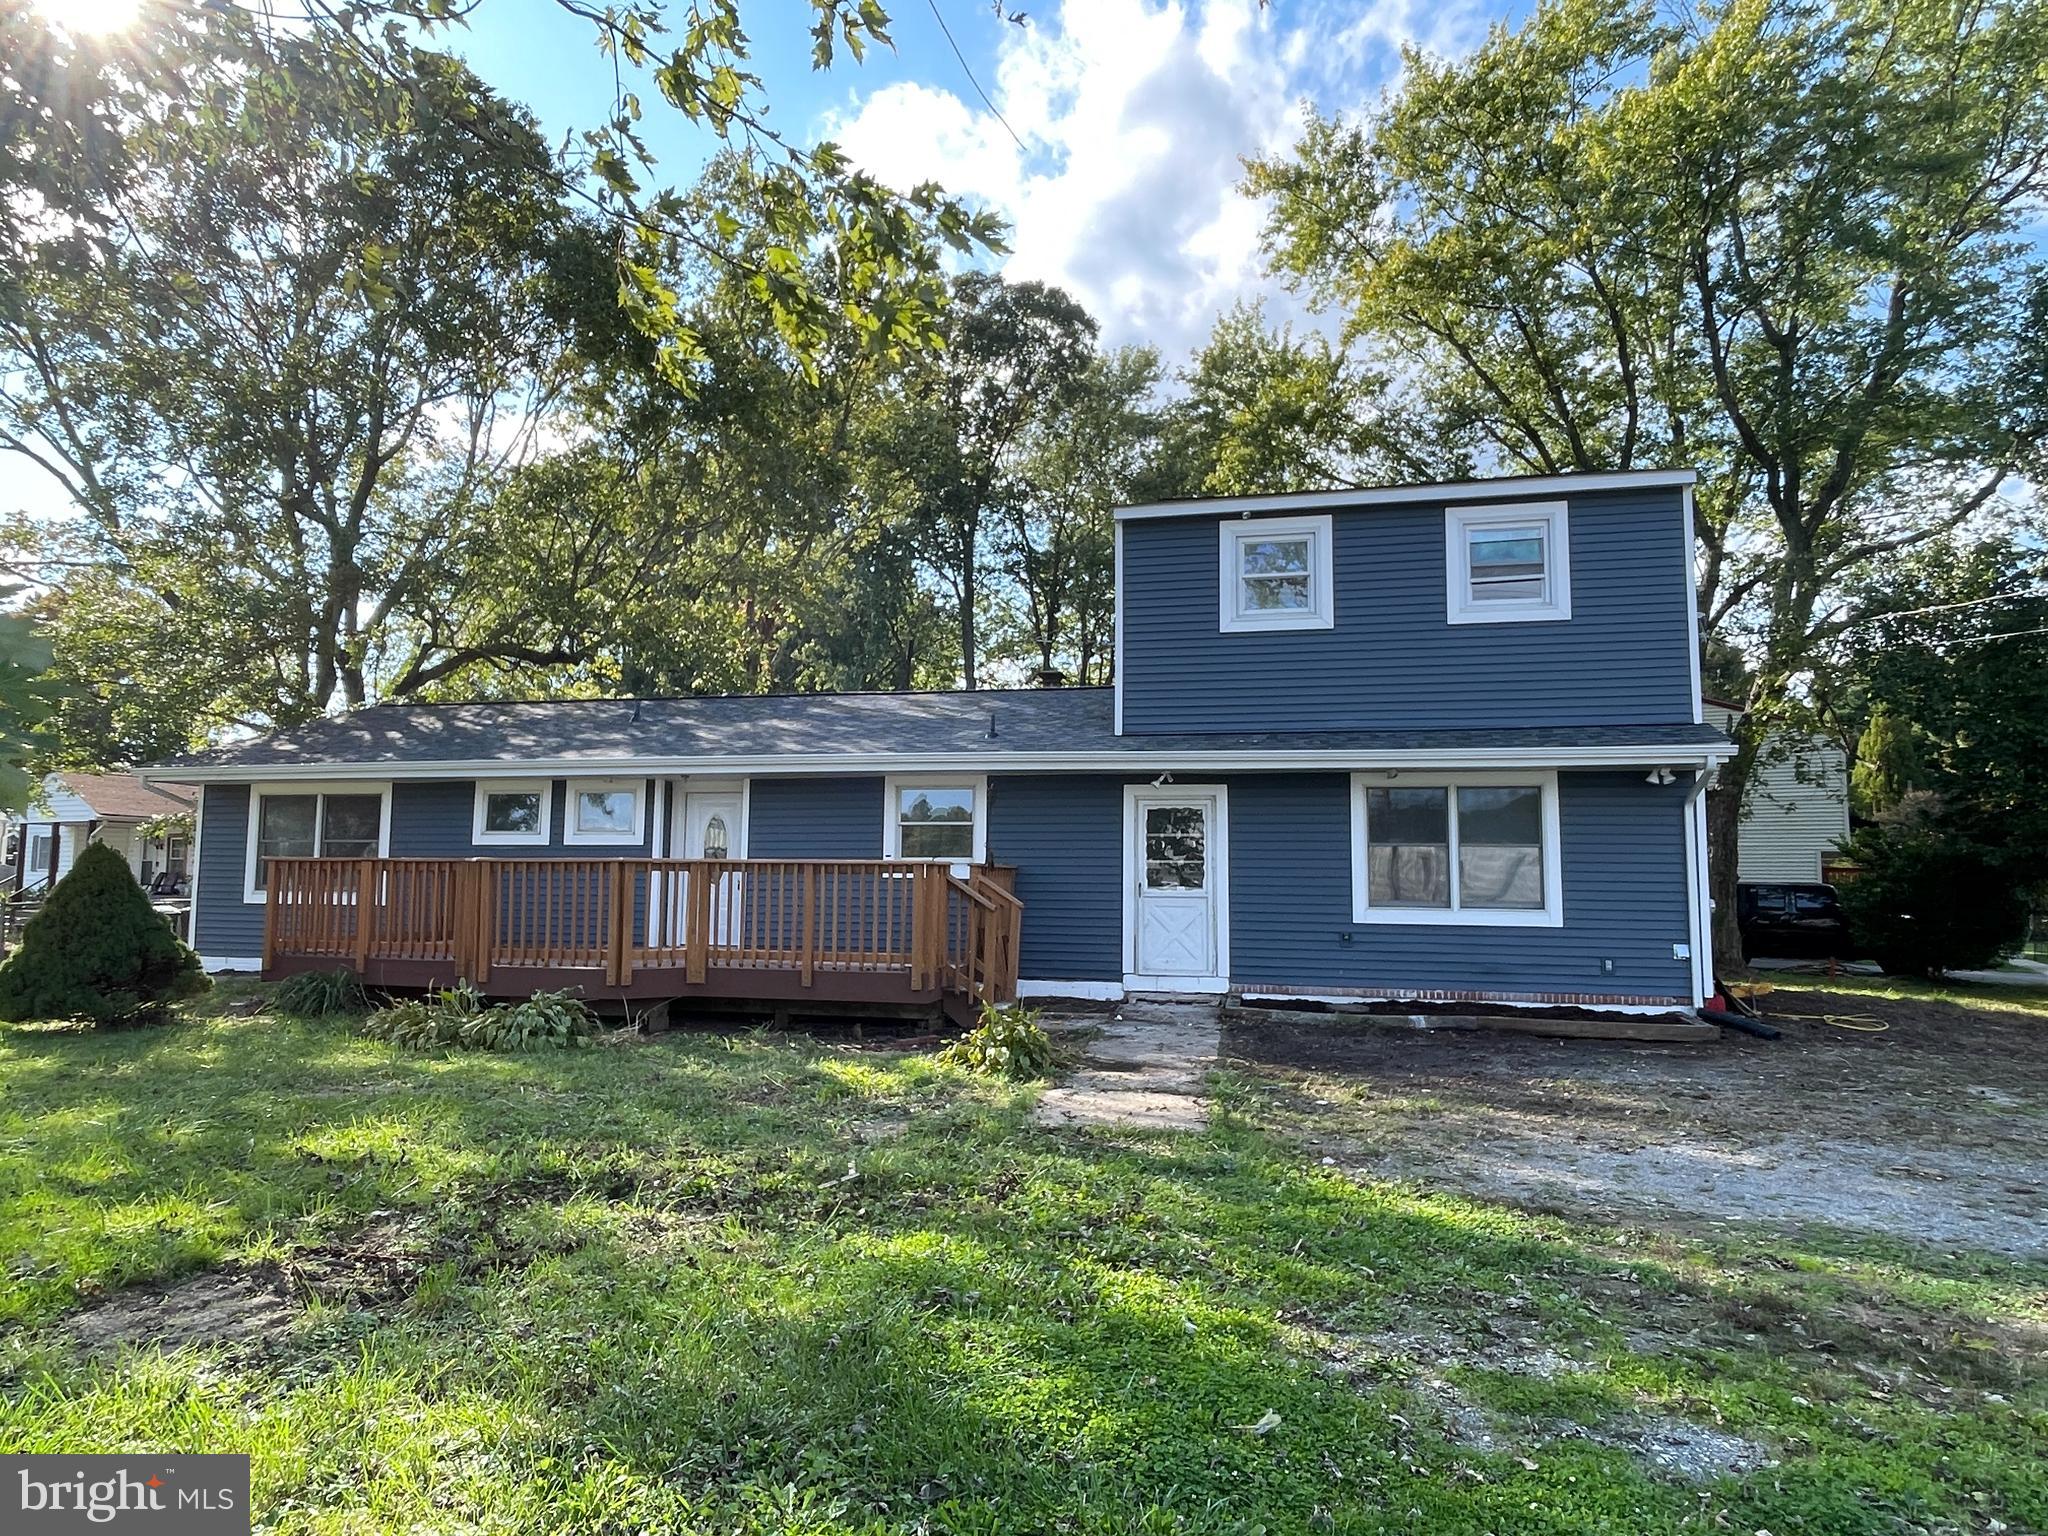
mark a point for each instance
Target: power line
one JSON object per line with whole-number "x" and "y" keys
{"x": 969, "y": 73}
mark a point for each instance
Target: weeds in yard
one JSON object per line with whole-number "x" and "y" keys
{"x": 459, "y": 1016}
{"x": 320, "y": 994}
{"x": 1007, "y": 1042}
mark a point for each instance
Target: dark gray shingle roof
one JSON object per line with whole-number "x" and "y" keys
{"x": 1026, "y": 721}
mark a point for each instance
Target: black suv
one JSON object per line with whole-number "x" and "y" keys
{"x": 1791, "y": 920}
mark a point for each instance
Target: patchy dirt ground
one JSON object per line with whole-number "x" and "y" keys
{"x": 1935, "y": 1130}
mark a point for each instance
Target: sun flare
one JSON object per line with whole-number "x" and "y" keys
{"x": 95, "y": 16}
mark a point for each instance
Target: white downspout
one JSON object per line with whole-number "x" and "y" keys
{"x": 1699, "y": 885}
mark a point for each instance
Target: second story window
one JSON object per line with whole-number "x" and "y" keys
{"x": 1275, "y": 574}
{"x": 1508, "y": 564}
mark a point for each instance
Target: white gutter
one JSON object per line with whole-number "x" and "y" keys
{"x": 1410, "y": 495}
{"x": 1137, "y": 762}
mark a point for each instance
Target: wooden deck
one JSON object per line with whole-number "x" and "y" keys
{"x": 767, "y": 930}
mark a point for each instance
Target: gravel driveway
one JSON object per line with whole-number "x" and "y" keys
{"x": 1935, "y": 1130}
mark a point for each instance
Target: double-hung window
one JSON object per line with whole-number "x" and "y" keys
{"x": 512, "y": 811}
{"x": 1509, "y": 564}
{"x": 1476, "y": 848}
{"x": 935, "y": 817}
{"x": 610, "y": 811}
{"x": 1275, "y": 573}
{"x": 42, "y": 848}
{"x": 307, "y": 823}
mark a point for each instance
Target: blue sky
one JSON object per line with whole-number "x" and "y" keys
{"x": 1133, "y": 116}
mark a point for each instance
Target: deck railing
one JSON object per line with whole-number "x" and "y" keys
{"x": 619, "y": 919}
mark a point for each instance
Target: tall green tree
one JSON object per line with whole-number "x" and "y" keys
{"x": 1055, "y": 544}
{"x": 1013, "y": 359}
{"x": 1781, "y": 242}
{"x": 317, "y": 332}
{"x": 1264, "y": 410}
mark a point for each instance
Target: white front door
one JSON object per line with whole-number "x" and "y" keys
{"x": 1178, "y": 869}
{"x": 711, "y": 830}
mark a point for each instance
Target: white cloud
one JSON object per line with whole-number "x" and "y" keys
{"x": 1135, "y": 119}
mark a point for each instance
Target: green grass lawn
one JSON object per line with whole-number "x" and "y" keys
{"x": 757, "y": 1284}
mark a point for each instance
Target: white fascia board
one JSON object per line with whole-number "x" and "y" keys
{"x": 1409, "y": 495}
{"x": 1145, "y": 763}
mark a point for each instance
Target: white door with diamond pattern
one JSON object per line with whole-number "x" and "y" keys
{"x": 1177, "y": 874}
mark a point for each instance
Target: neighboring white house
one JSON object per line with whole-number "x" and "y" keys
{"x": 111, "y": 808}
{"x": 1797, "y": 809}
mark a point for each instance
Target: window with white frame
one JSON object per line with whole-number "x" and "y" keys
{"x": 1508, "y": 564}
{"x": 42, "y": 847}
{"x": 935, "y": 817}
{"x": 606, "y": 811}
{"x": 293, "y": 822}
{"x": 512, "y": 811}
{"x": 1456, "y": 848}
{"x": 1275, "y": 574}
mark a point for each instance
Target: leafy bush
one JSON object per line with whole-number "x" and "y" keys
{"x": 460, "y": 1017}
{"x": 98, "y": 951}
{"x": 317, "y": 994}
{"x": 1008, "y": 1042}
{"x": 1928, "y": 900}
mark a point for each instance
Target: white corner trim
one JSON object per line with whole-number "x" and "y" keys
{"x": 574, "y": 833}
{"x": 485, "y": 788}
{"x": 378, "y": 787}
{"x": 1219, "y": 876}
{"x": 192, "y": 879}
{"x": 1460, "y": 523}
{"x": 1411, "y": 495}
{"x": 1692, "y": 610}
{"x": 1232, "y": 617}
{"x": 892, "y": 827}
{"x": 1078, "y": 991}
{"x": 1549, "y": 915}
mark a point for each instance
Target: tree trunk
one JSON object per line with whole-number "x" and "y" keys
{"x": 967, "y": 619}
{"x": 1724, "y": 825}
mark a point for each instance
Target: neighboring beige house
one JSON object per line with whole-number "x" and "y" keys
{"x": 111, "y": 808}
{"x": 1798, "y": 806}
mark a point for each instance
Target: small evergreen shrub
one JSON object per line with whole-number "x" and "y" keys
{"x": 1928, "y": 899}
{"x": 98, "y": 951}
{"x": 1008, "y": 1042}
{"x": 458, "y": 1016}
{"x": 320, "y": 994}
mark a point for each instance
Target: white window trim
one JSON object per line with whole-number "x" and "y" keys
{"x": 47, "y": 836}
{"x": 1557, "y": 563}
{"x": 571, "y": 833}
{"x": 1549, "y": 915}
{"x": 892, "y": 826}
{"x": 283, "y": 787}
{"x": 1322, "y": 609}
{"x": 485, "y": 788}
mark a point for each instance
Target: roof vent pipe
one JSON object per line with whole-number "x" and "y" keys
{"x": 991, "y": 725}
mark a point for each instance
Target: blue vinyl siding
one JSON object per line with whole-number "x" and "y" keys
{"x": 1623, "y": 845}
{"x": 224, "y": 925}
{"x": 813, "y": 818}
{"x": 1064, "y": 833}
{"x": 1392, "y": 660}
{"x": 434, "y": 819}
